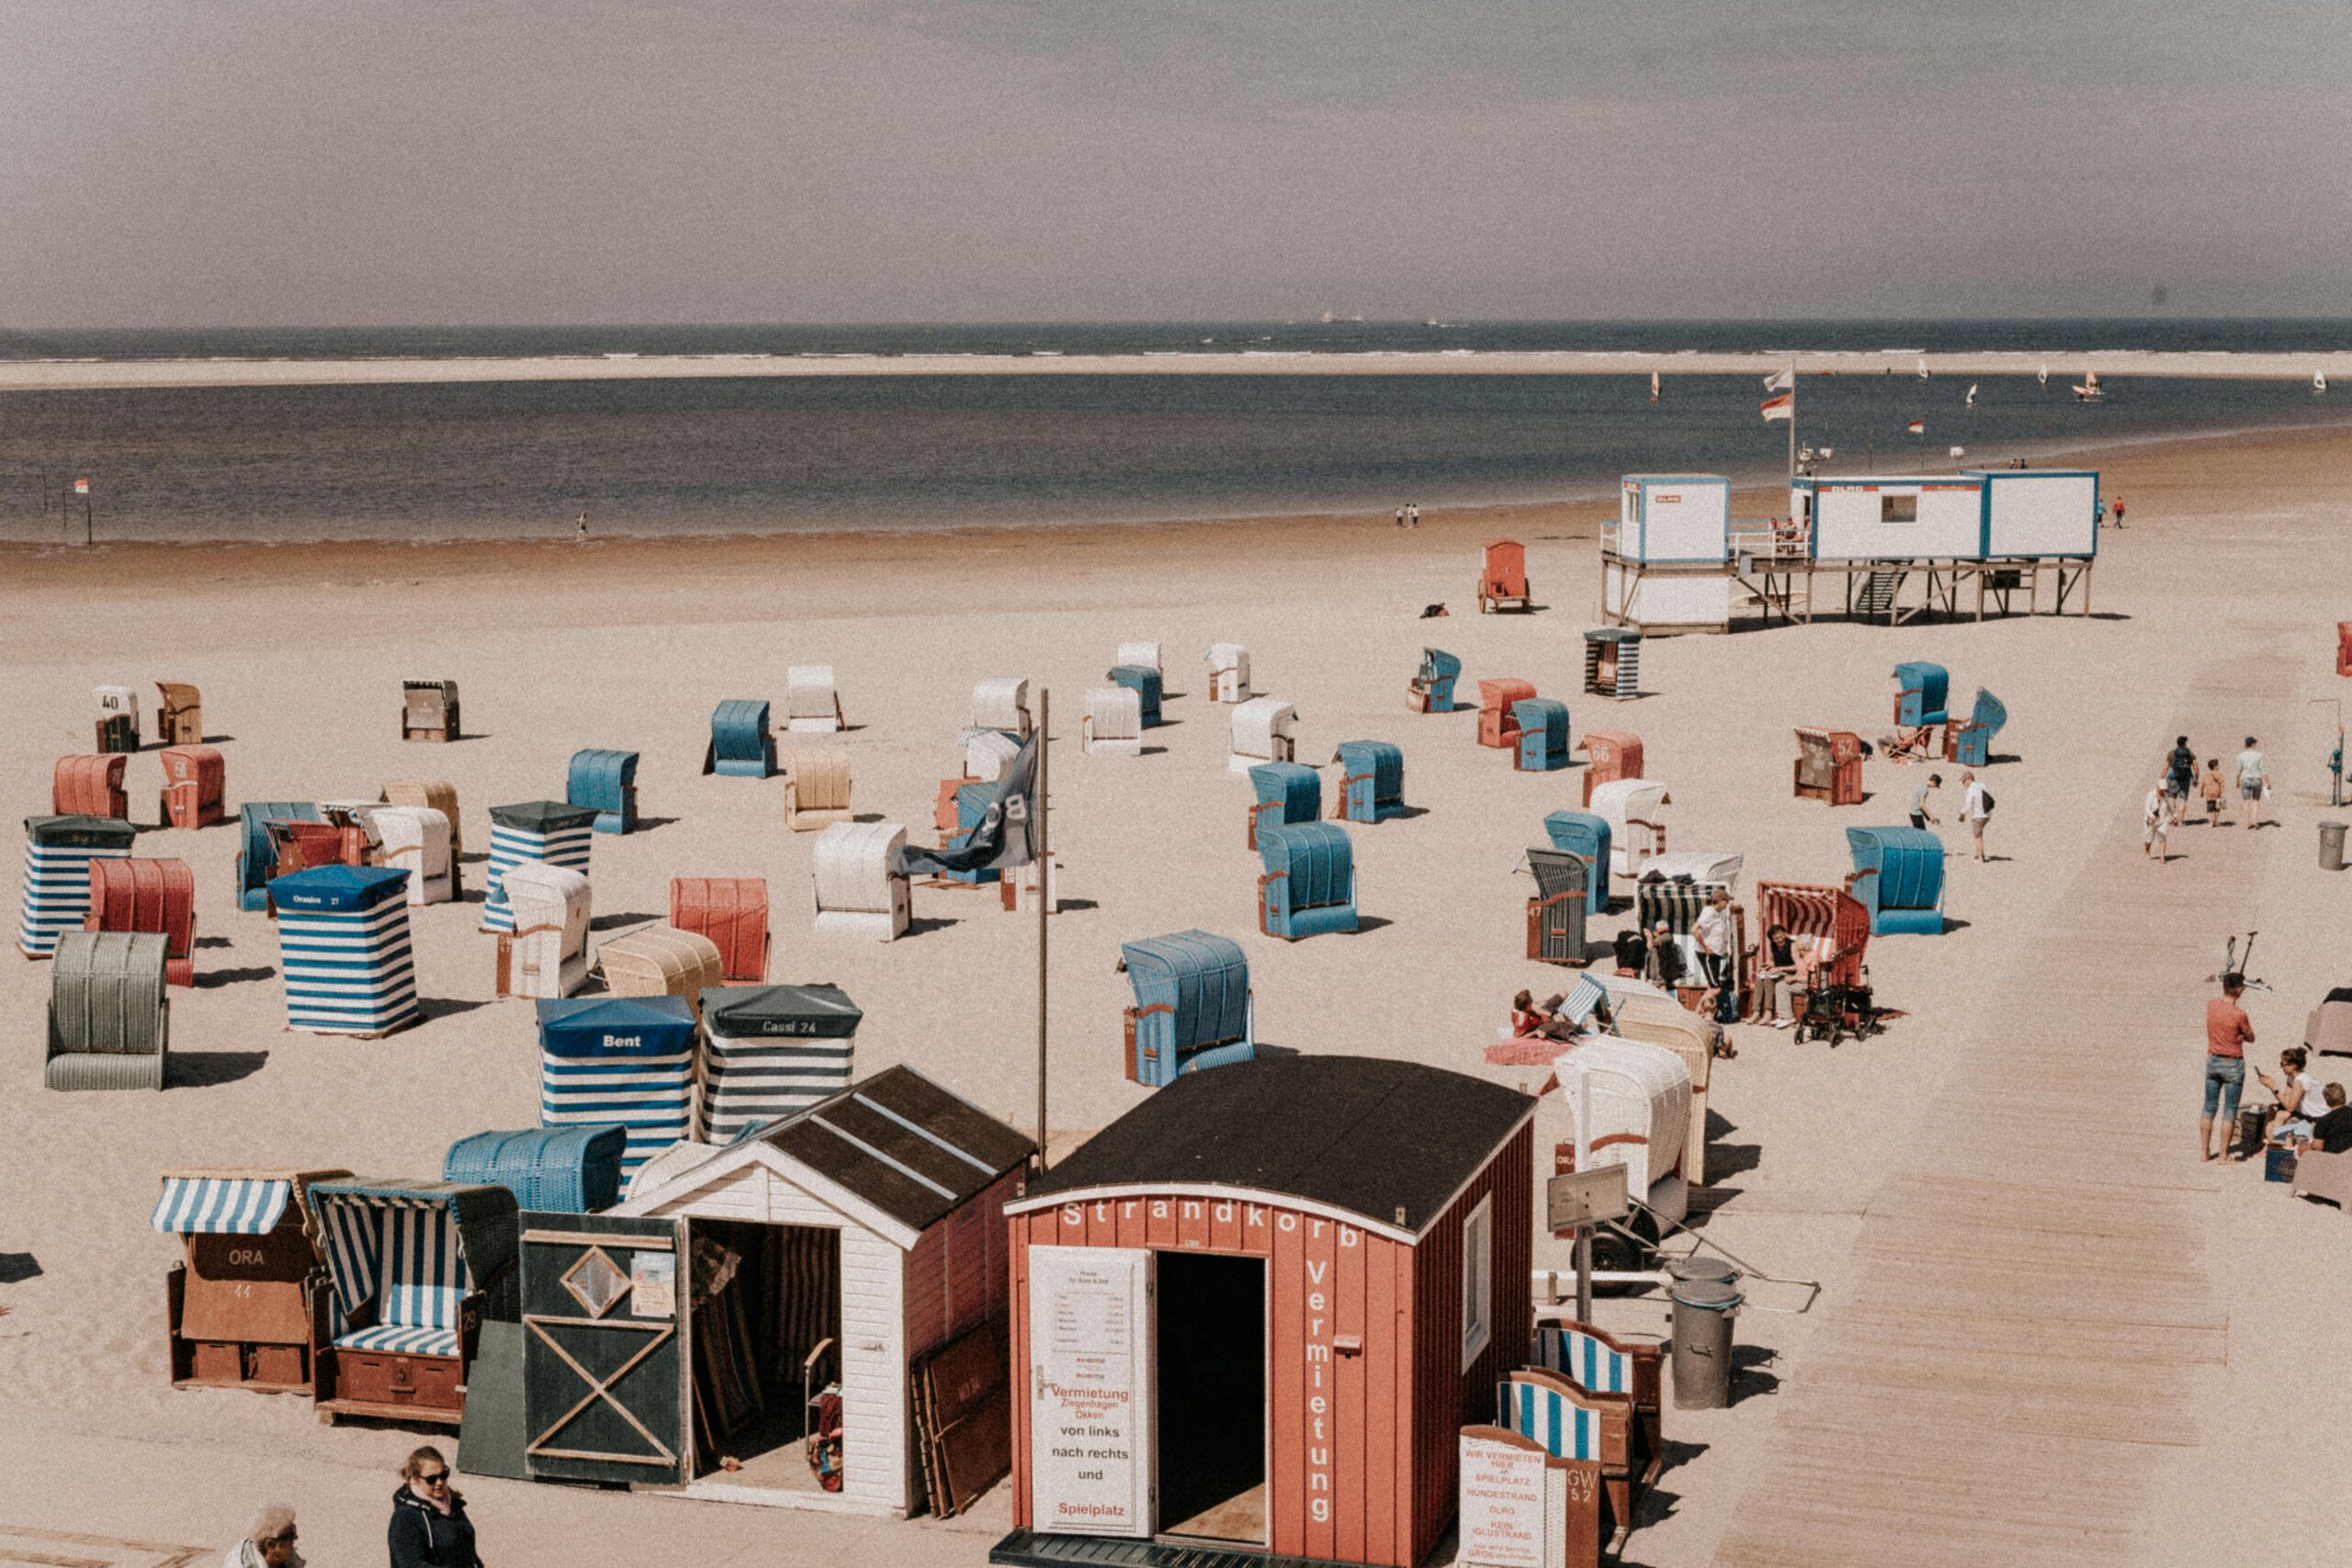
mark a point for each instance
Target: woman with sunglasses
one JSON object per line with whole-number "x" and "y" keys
{"x": 429, "y": 1527}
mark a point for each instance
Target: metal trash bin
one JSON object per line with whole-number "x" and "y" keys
{"x": 1702, "y": 1314}
{"x": 2331, "y": 846}
{"x": 1720, "y": 1270}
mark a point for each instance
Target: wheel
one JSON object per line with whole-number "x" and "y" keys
{"x": 1614, "y": 1252}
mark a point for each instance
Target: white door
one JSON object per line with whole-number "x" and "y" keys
{"x": 1089, "y": 1391}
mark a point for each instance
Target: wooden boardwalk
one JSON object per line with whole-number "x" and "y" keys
{"x": 2031, "y": 1322}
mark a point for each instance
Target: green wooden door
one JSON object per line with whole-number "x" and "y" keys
{"x": 603, "y": 1353}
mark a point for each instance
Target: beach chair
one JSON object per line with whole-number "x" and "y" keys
{"x": 344, "y": 949}
{"x": 987, "y": 753}
{"x": 1648, "y": 1014}
{"x": 660, "y": 961}
{"x": 2328, "y": 1031}
{"x": 1921, "y": 693}
{"x": 862, "y": 886}
{"x": 1969, "y": 742}
{"x": 1372, "y": 780}
{"x": 2319, "y": 1174}
{"x": 772, "y": 1052}
{"x": 561, "y": 1171}
{"x": 434, "y": 795}
{"x": 625, "y": 1061}
{"x": 90, "y": 786}
{"x": 1113, "y": 723}
{"x": 109, "y": 1020}
{"x": 418, "y": 841}
{"x": 1635, "y": 812}
{"x": 1828, "y": 766}
{"x": 1309, "y": 887}
{"x": 1612, "y": 663}
{"x": 246, "y": 1306}
{"x": 416, "y": 1266}
{"x": 1002, "y": 703}
{"x": 1555, "y": 916}
{"x": 956, "y": 815}
{"x": 298, "y": 846}
{"x": 258, "y": 860}
{"x": 1899, "y": 877}
{"x": 1228, "y": 672}
{"x": 812, "y": 704}
{"x": 1597, "y": 1362}
{"x": 605, "y": 782}
{"x": 136, "y": 895}
{"x": 1432, "y": 689}
{"x": 1610, "y": 754}
{"x": 56, "y": 885}
{"x": 732, "y": 911}
{"x": 1589, "y": 837}
{"x": 1502, "y": 577}
{"x": 1829, "y": 926}
{"x": 194, "y": 783}
{"x": 1543, "y": 725}
{"x": 1675, "y": 888}
{"x": 179, "y": 714}
{"x": 543, "y": 833}
{"x": 816, "y": 788}
{"x": 429, "y": 710}
{"x": 1574, "y": 1423}
{"x": 1146, "y": 654}
{"x": 741, "y": 744}
{"x": 546, "y": 954}
{"x": 1498, "y": 721}
{"x": 1192, "y": 1009}
{"x": 118, "y": 722}
{"x": 1265, "y": 729}
{"x": 1143, "y": 680}
{"x": 1287, "y": 792}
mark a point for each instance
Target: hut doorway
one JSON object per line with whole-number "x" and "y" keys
{"x": 767, "y": 1299}
{"x": 1211, "y": 1380}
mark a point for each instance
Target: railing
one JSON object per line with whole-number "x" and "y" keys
{"x": 1770, "y": 538}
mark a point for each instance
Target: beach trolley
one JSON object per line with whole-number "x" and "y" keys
{"x": 417, "y": 1268}
{"x": 433, "y": 795}
{"x": 247, "y": 1304}
{"x": 109, "y": 1021}
{"x": 619, "y": 1061}
{"x": 1555, "y": 916}
{"x": 546, "y": 954}
{"x": 816, "y": 788}
{"x": 732, "y": 911}
{"x": 1635, "y": 812}
{"x": 89, "y": 786}
{"x": 1270, "y": 1295}
{"x": 1002, "y": 703}
{"x": 1143, "y": 680}
{"x": 861, "y": 882}
{"x": 605, "y": 781}
{"x": 740, "y": 743}
{"x": 1432, "y": 689}
{"x": 56, "y": 892}
{"x": 137, "y": 895}
{"x": 1828, "y": 766}
{"x": 429, "y": 710}
{"x": 1228, "y": 672}
{"x": 417, "y": 839}
{"x": 1899, "y": 877}
{"x": 195, "y": 786}
{"x": 770, "y": 1051}
{"x": 812, "y": 704}
{"x": 851, "y": 1257}
{"x": 1587, "y": 837}
{"x": 1309, "y": 884}
{"x": 565, "y": 1170}
{"x": 179, "y": 714}
{"x": 1969, "y": 742}
{"x": 344, "y": 949}
{"x": 1612, "y": 663}
{"x": 1498, "y": 701}
{"x": 1610, "y": 754}
{"x": 1502, "y": 577}
{"x": 1287, "y": 794}
{"x": 1543, "y": 725}
{"x": 1113, "y": 723}
{"x": 258, "y": 860}
{"x": 544, "y": 832}
{"x": 1146, "y": 654}
{"x": 118, "y": 722}
{"x": 1192, "y": 1009}
{"x": 1372, "y": 780}
{"x": 660, "y": 961}
{"x": 1265, "y": 729}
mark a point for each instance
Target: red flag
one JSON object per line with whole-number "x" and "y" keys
{"x": 1918, "y": 427}
{"x": 1781, "y": 407}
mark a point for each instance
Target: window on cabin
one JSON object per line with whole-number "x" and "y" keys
{"x": 1478, "y": 1281}
{"x": 1898, "y": 509}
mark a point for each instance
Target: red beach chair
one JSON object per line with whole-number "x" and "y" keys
{"x": 1498, "y": 725}
{"x": 1502, "y": 577}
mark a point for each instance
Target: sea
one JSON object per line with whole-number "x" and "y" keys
{"x": 744, "y": 454}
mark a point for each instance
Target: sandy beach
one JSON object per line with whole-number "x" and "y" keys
{"x": 2013, "y": 1153}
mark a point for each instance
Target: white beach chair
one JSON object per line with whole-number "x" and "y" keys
{"x": 416, "y": 838}
{"x": 1228, "y": 672}
{"x": 1114, "y": 722}
{"x": 811, "y": 704}
{"x": 861, "y": 889}
{"x": 546, "y": 955}
{"x": 1144, "y": 653}
{"x": 1265, "y": 729}
{"x": 1001, "y": 701}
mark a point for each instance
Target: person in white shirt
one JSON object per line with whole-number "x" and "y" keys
{"x": 2155, "y": 823}
{"x": 2299, "y": 1097}
{"x": 1712, "y": 931}
{"x": 1975, "y": 809}
{"x": 2252, "y": 780}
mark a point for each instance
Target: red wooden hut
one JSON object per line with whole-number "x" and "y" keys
{"x": 1498, "y": 725}
{"x": 731, "y": 910}
{"x": 1502, "y": 576}
{"x": 90, "y": 786}
{"x": 195, "y": 785}
{"x": 1258, "y": 1309}
{"x": 147, "y": 896}
{"x": 1613, "y": 754}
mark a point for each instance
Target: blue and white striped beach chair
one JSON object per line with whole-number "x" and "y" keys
{"x": 344, "y": 948}
{"x": 770, "y": 1052}
{"x": 619, "y": 1060}
{"x": 1594, "y": 1360}
{"x": 58, "y": 853}
{"x": 1575, "y": 1423}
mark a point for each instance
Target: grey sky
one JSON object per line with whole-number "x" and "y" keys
{"x": 250, "y": 161}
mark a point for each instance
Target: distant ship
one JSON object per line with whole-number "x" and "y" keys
{"x": 2319, "y": 380}
{"x": 2087, "y": 390}
{"x": 1970, "y": 401}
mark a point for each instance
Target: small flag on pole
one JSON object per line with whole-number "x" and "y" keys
{"x": 1781, "y": 407}
{"x": 81, "y": 487}
{"x": 1780, "y": 381}
{"x": 1918, "y": 427}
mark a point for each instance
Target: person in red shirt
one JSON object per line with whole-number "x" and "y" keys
{"x": 2228, "y": 1032}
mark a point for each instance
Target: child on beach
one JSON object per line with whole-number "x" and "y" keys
{"x": 2155, "y": 823}
{"x": 2212, "y": 790}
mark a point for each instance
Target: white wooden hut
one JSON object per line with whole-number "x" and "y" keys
{"x": 416, "y": 838}
{"x": 861, "y": 883}
{"x": 546, "y": 954}
{"x": 873, "y": 1220}
{"x": 1228, "y": 672}
{"x": 1001, "y": 701}
{"x": 1265, "y": 729}
{"x": 1144, "y": 653}
{"x": 812, "y": 706}
{"x": 1113, "y": 721}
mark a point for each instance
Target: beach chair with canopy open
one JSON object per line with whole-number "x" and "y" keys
{"x": 771, "y": 1052}
{"x": 139, "y": 895}
{"x": 605, "y": 782}
{"x": 1921, "y": 692}
{"x": 247, "y": 1306}
{"x": 1498, "y": 700}
{"x": 1635, "y": 812}
{"x": 345, "y": 952}
{"x": 861, "y": 882}
{"x": 117, "y": 729}
{"x": 1372, "y": 780}
{"x": 1192, "y": 1009}
{"x": 812, "y": 704}
{"x": 1612, "y": 663}
{"x": 109, "y": 1020}
{"x": 1502, "y": 577}
{"x": 1969, "y": 742}
{"x": 179, "y": 714}
{"x": 1555, "y": 916}
{"x": 1431, "y": 689}
{"x": 1589, "y": 837}
{"x": 1113, "y": 723}
{"x": 1287, "y": 792}
{"x": 258, "y": 860}
{"x": 1265, "y": 729}
{"x": 55, "y": 891}
{"x": 89, "y": 784}
{"x": 1308, "y": 885}
{"x": 1228, "y": 672}
{"x": 1543, "y": 725}
{"x": 620, "y": 1061}
{"x": 429, "y": 710}
{"x": 195, "y": 785}
{"x": 1899, "y": 877}
{"x": 741, "y": 746}
{"x": 1828, "y": 766}
{"x": 1829, "y": 928}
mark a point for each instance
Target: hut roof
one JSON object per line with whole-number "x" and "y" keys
{"x": 903, "y": 1143}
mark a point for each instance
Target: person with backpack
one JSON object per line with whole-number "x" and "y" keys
{"x": 1976, "y": 810}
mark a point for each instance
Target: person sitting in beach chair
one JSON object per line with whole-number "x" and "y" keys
{"x": 1530, "y": 1022}
{"x": 2332, "y": 1129}
{"x": 1781, "y": 979}
{"x": 2298, "y": 1096}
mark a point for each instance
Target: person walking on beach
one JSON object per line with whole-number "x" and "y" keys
{"x": 2119, "y": 511}
{"x": 2180, "y": 771}
{"x": 2254, "y": 782}
{"x": 583, "y": 527}
{"x": 2228, "y": 1032}
{"x": 268, "y": 1543}
{"x": 1923, "y": 809}
{"x": 1412, "y": 515}
{"x": 2211, "y": 788}
{"x": 429, "y": 1527}
{"x": 1400, "y": 517}
{"x": 2155, "y": 822}
{"x": 1976, "y": 810}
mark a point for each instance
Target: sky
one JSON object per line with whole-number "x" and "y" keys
{"x": 246, "y": 162}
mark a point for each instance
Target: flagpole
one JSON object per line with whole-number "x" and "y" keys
{"x": 1045, "y": 872}
{"x": 1792, "y": 423}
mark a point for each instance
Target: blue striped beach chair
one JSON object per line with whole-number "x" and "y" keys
{"x": 769, "y": 1052}
{"x": 344, "y": 949}
{"x": 247, "y": 1302}
{"x": 627, "y": 1061}
{"x": 58, "y": 853}
{"x": 549, "y": 831}
{"x": 1601, "y": 1364}
{"x": 1575, "y": 1423}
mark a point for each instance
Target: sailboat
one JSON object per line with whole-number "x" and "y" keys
{"x": 2087, "y": 390}
{"x": 2319, "y": 380}
{"x": 2044, "y": 376}
{"x": 1923, "y": 370}
{"x": 1970, "y": 401}
{"x": 1654, "y": 386}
